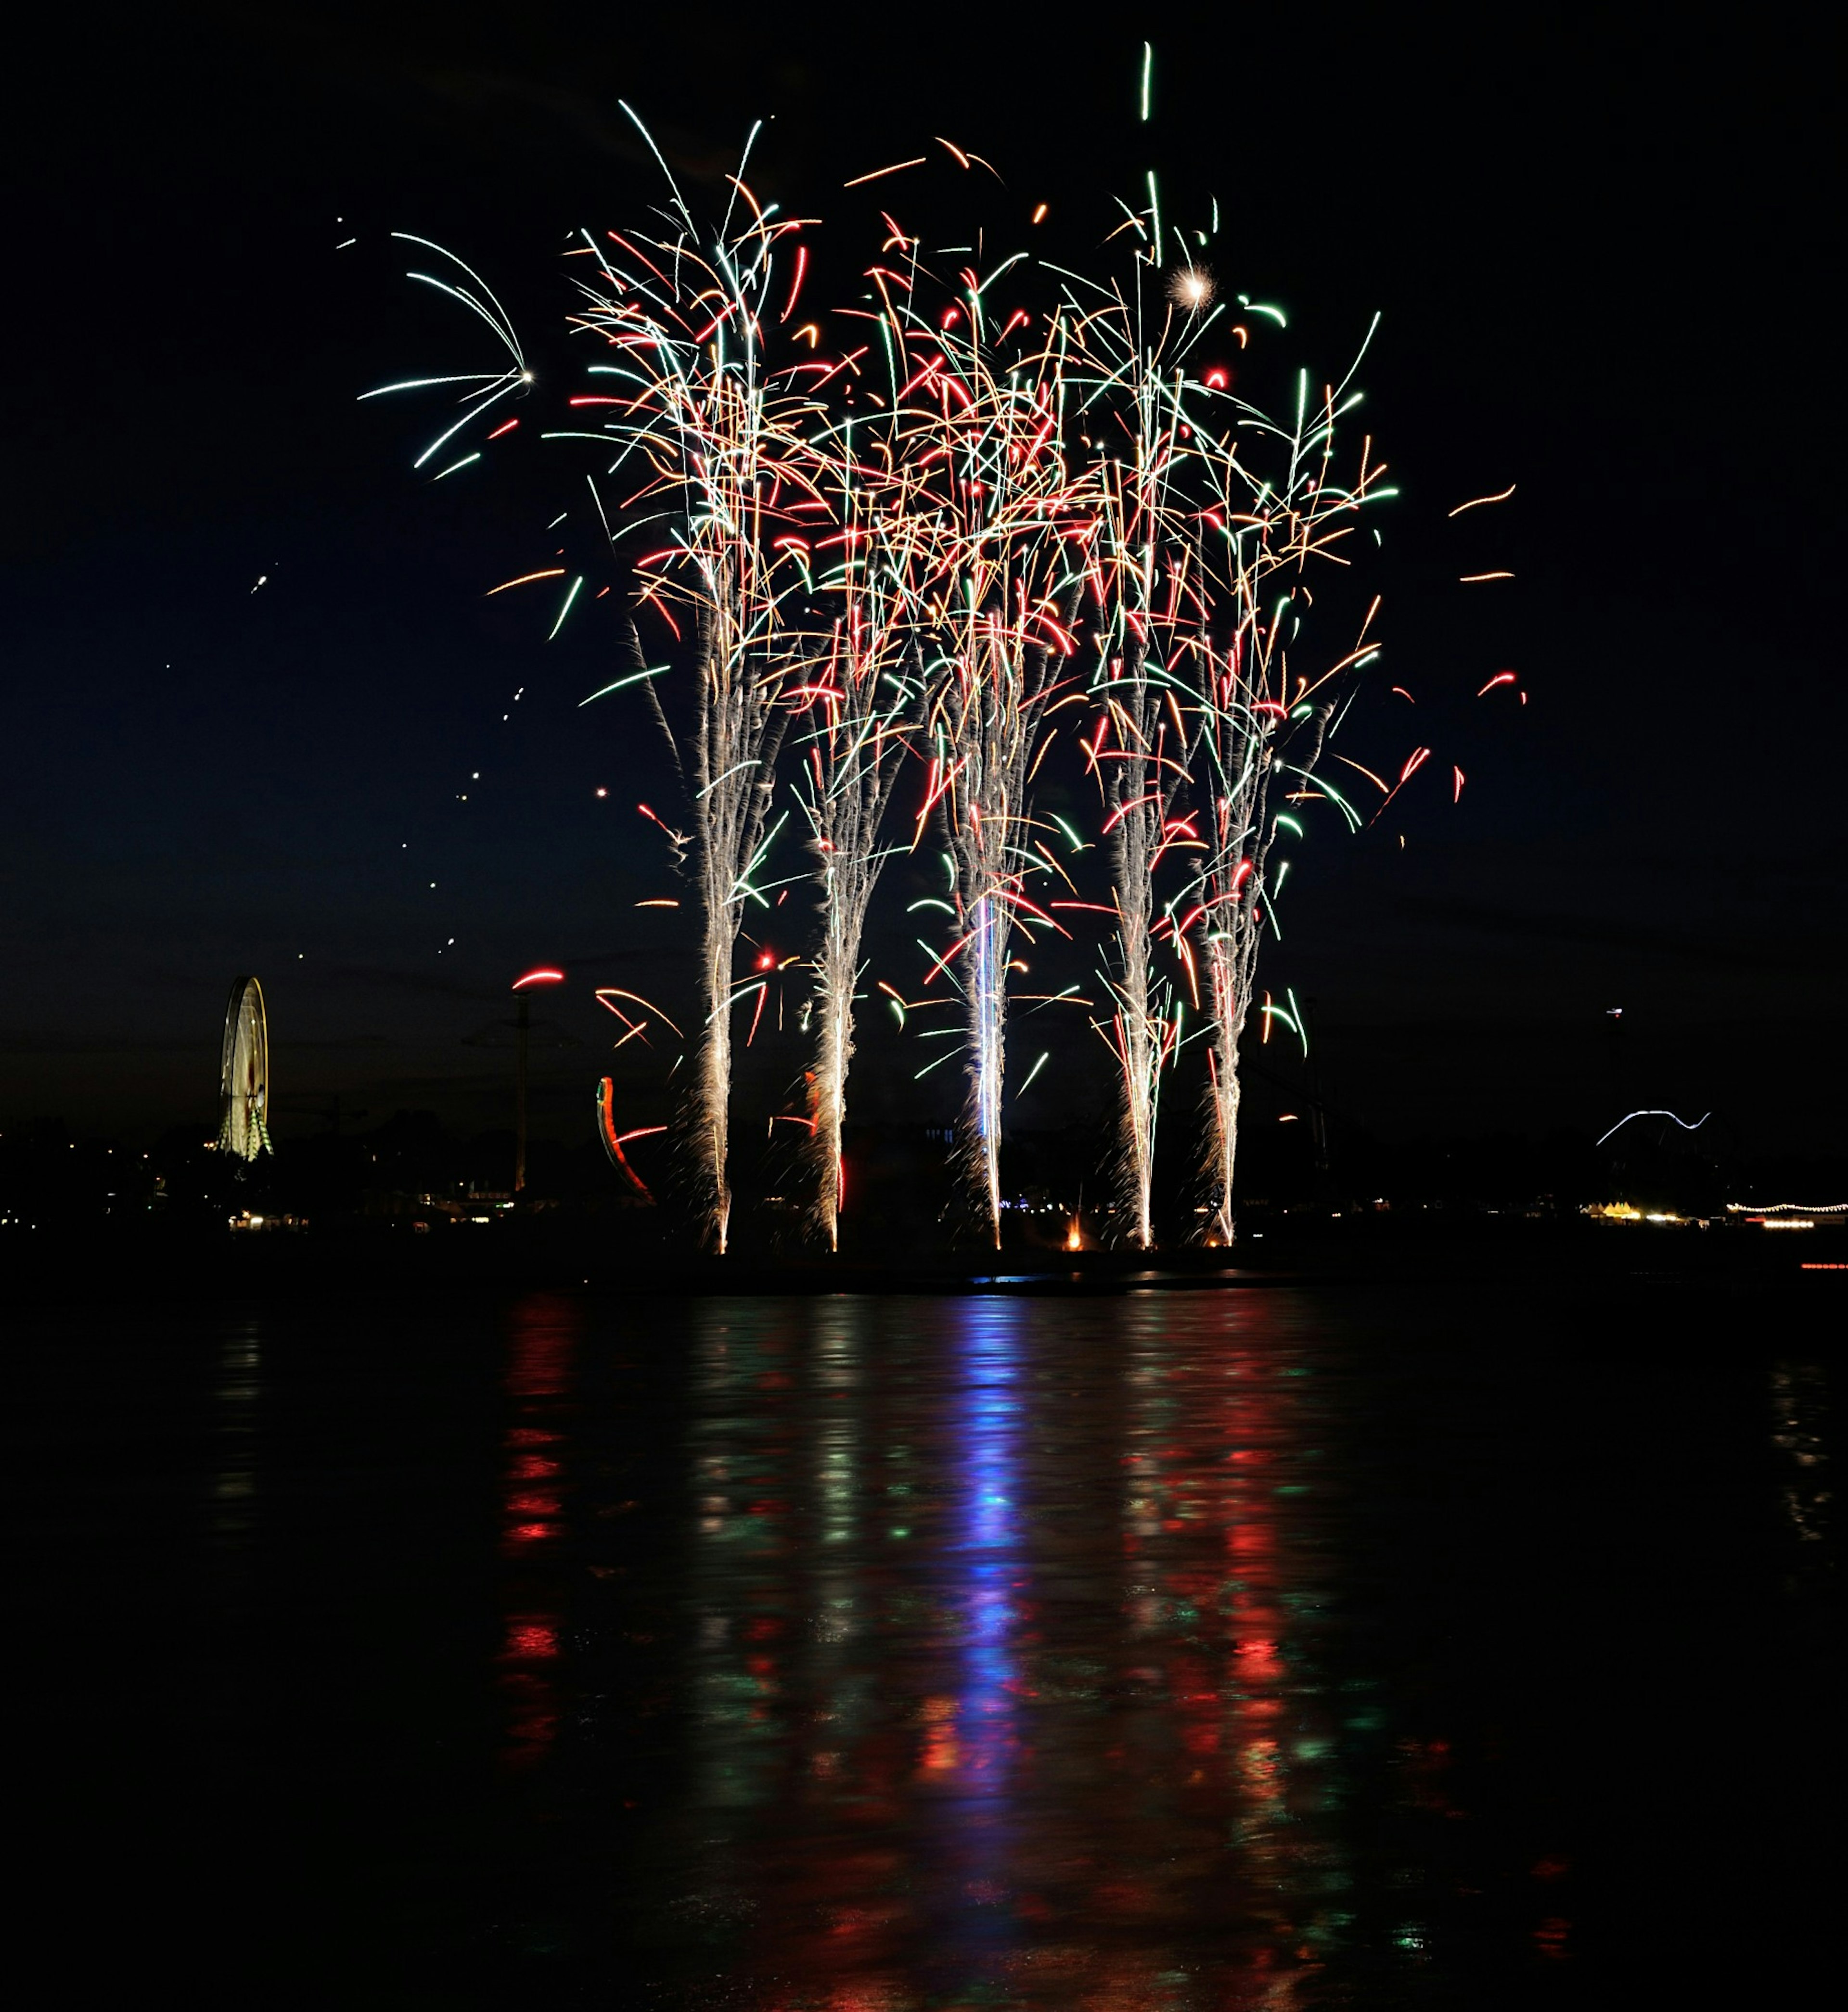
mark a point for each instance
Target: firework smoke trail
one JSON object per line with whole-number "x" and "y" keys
{"x": 861, "y": 697}
{"x": 721, "y": 441}
{"x": 996, "y": 499}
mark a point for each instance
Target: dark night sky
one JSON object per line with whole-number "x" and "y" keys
{"x": 1602, "y": 242}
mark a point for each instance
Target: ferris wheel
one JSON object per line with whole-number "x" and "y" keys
{"x": 244, "y": 1076}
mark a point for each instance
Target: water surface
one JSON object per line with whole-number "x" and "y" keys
{"x": 1196, "y": 1649}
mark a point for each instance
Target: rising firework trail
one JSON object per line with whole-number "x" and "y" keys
{"x": 1132, "y": 746}
{"x": 856, "y": 705}
{"x": 1261, "y": 722}
{"x": 1205, "y": 500}
{"x": 981, "y": 418}
{"x": 1148, "y": 584}
{"x": 716, "y": 444}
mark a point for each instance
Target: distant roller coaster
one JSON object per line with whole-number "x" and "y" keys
{"x": 243, "y": 1075}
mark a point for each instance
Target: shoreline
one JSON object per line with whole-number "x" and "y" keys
{"x": 1702, "y": 1272}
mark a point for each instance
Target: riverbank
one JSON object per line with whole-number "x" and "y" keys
{"x": 1665, "y": 1273}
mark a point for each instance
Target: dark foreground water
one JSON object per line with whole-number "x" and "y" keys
{"x": 1175, "y": 1649}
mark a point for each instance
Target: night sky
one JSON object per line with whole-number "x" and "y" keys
{"x": 1605, "y": 249}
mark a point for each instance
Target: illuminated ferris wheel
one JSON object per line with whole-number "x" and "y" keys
{"x": 243, "y": 1075}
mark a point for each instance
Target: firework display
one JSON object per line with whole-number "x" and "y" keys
{"x": 725, "y": 464}
{"x": 983, "y": 400}
{"x": 984, "y": 523}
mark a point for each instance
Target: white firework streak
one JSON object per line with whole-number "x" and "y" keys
{"x": 1193, "y": 537}
{"x": 1261, "y": 725}
{"x": 722, "y": 447}
{"x": 858, "y": 701}
{"x": 993, "y": 493}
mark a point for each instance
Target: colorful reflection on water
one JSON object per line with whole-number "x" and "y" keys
{"x": 1171, "y": 1651}
{"x": 1016, "y": 1665}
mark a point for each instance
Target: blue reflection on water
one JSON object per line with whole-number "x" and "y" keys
{"x": 989, "y": 1539}
{"x": 987, "y": 1567}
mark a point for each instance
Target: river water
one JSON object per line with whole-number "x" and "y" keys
{"x": 1150, "y": 1652}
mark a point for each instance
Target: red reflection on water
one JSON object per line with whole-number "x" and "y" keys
{"x": 541, "y": 1349}
{"x": 545, "y": 1336}
{"x": 530, "y": 1639}
{"x": 532, "y": 1716}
